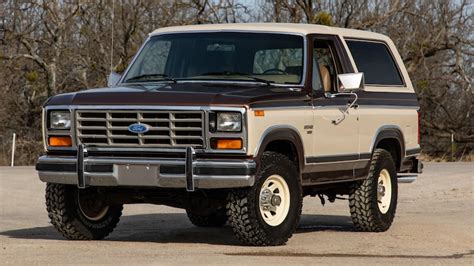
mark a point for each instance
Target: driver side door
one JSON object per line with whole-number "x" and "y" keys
{"x": 335, "y": 134}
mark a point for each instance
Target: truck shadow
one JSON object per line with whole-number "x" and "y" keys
{"x": 175, "y": 228}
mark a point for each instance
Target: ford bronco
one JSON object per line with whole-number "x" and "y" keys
{"x": 236, "y": 123}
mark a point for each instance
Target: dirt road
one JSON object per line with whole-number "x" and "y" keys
{"x": 434, "y": 224}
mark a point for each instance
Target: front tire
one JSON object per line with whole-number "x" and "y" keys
{"x": 373, "y": 202}
{"x": 267, "y": 213}
{"x": 80, "y": 214}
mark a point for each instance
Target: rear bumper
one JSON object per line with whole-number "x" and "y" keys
{"x": 189, "y": 173}
{"x": 411, "y": 163}
{"x": 411, "y": 167}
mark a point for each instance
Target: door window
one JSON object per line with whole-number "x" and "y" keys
{"x": 325, "y": 66}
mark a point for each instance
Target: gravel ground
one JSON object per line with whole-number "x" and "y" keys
{"x": 434, "y": 225}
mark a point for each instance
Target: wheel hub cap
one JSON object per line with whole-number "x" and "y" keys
{"x": 92, "y": 204}
{"x": 274, "y": 200}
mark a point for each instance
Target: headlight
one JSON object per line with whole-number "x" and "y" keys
{"x": 60, "y": 120}
{"x": 231, "y": 122}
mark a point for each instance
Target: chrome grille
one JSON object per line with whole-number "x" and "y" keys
{"x": 166, "y": 128}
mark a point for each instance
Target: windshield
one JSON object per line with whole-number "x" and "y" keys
{"x": 258, "y": 57}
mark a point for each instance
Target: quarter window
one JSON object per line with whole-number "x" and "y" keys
{"x": 375, "y": 60}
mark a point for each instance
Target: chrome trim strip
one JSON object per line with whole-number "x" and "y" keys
{"x": 225, "y": 177}
{"x": 335, "y": 181}
{"x": 362, "y": 106}
{"x": 189, "y": 169}
{"x": 160, "y": 161}
{"x": 121, "y": 160}
{"x": 282, "y": 108}
{"x": 227, "y": 164}
{"x": 80, "y": 166}
{"x": 139, "y": 149}
{"x": 335, "y": 166}
{"x": 335, "y": 158}
{"x": 43, "y": 128}
{"x": 333, "y": 162}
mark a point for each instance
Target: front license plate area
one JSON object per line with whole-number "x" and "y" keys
{"x": 136, "y": 175}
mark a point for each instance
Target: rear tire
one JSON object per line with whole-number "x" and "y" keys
{"x": 80, "y": 214}
{"x": 374, "y": 201}
{"x": 217, "y": 218}
{"x": 267, "y": 213}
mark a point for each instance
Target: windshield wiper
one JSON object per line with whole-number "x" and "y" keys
{"x": 152, "y": 77}
{"x": 233, "y": 73}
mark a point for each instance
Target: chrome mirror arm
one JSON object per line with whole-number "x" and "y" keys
{"x": 345, "y": 112}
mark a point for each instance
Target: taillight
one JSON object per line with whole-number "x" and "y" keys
{"x": 419, "y": 125}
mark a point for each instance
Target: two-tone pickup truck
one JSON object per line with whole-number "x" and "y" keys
{"x": 236, "y": 123}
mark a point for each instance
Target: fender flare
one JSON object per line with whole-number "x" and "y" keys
{"x": 389, "y": 132}
{"x": 284, "y": 133}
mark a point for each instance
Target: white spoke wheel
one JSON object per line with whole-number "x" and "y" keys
{"x": 274, "y": 200}
{"x": 384, "y": 191}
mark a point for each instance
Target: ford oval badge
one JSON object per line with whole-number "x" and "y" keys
{"x": 138, "y": 128}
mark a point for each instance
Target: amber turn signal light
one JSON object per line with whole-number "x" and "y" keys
{"x": 60, "y": 141}
{"x": 259, "y": 113}
{"x": 226, "y": 144}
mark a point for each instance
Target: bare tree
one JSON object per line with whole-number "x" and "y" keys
{"x": 50, "y": 47}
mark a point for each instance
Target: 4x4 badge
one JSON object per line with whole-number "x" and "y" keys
{"x": 138, "y": 128}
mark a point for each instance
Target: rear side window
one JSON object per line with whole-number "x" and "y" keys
{"x": 375, "y": 60}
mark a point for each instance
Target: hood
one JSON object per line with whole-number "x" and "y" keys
{"x": 181, "y": 94}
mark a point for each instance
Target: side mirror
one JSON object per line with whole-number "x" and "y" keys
{"x": 113, "y": 79}
{"x": 351, "y": 81}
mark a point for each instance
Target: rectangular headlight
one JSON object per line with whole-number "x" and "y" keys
{"x": 230, "y": 122}
{"x": 60, "y": 120}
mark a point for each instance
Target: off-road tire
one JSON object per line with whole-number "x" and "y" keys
{"x": 244, "y": 211}
{"x": 365, "y": 212}
{"x": 216, "y": 218}
{"x": 65, "y": 214}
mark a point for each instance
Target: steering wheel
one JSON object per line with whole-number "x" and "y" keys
{"x": 277, "y": 70}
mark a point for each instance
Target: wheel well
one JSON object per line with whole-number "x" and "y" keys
{"x": 284, "y": 147}
{"x": 393, "y": 146}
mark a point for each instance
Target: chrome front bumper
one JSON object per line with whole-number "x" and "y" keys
{"x": 189, "y": 173}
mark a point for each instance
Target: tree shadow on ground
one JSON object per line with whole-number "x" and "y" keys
{"x": 175, "y": 228}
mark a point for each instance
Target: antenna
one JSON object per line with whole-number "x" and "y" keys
{"x": 112, "y": 39}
